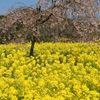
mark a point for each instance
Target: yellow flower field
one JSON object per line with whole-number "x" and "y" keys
{"x": 58, "y": 71}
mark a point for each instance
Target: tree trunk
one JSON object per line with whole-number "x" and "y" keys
{"x": 32, "y": 45}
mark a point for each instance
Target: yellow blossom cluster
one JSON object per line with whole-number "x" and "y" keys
{"x": 57, "y": 71}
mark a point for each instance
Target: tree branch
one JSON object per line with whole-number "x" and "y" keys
{"x": 43, "y": 21}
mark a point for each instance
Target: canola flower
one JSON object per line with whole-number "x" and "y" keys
{"x": 58, "y": 71}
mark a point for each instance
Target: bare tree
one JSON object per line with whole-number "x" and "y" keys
{"x": 54, "y": 12}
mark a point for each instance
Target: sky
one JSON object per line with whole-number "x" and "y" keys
{"x": 7, "y": 4}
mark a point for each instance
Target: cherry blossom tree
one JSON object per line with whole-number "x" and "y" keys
{"x": 50, "y": 14}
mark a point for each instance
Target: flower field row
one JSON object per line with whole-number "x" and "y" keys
{"x": 58, "y": 71}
